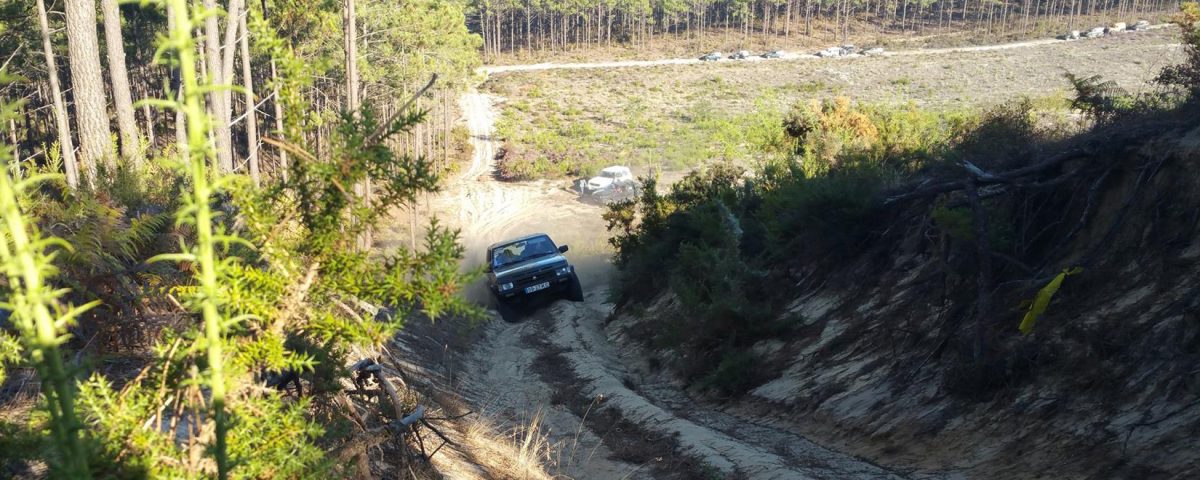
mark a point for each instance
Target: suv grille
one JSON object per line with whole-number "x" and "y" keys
{"x": 535, "y": 277}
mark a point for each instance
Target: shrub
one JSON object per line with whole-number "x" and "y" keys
{"x": 834, "y": 132}
{"x": 1186, "y": 76}
{"x": 1099, "y": 99}
{"x": 261, "y": 279}
{"x": 722, "y": 242}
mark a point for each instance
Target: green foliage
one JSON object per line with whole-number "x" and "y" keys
{"x": 40, "y": 315}
{"x": 10, "y": 351}
{"x": 414, "y": 39}
{"x": 1186, "y": 75}
{"x": 268, "y": 279}
{"x": 722, "y": 243}
{"x": 822, "y": 215}
{"x": 692, "y": 242}
{"x": 999, "y": 137}
{"x": 955, "y": 222}
{"x": 737, "y": 372}
{"x": 1102, "y": 100}
{"x": 827, "y": 134}
{"x": 548, "y": 140}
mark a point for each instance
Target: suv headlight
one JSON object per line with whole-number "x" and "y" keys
{"x": 504, "y": 287}
{"x": 563, "y": 270}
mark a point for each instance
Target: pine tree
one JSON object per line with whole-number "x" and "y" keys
{"x": 87, "y": 81}
{"x": 122, "y": 98}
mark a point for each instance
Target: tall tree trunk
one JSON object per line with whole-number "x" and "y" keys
{"x": 216, "y": 99}
{"x": 122, "y": 97}
{"x": 148, "y": 115}
{"x": 62, "y": 124}
{"x": 353, "y": 101}
{"x": 181, "y": 140}
{"x": 12, "y": 138}
{"x": 251, "y": 112}
{"x": 445, "y": 128}
{"x": 278, "y": 102}
{"x": 787, "y": 25}
{"x": 483, "y": 31}
{"x": 228, "y": 48}
{"x": 350, "y": 47}
{"x": 87, "y": 85}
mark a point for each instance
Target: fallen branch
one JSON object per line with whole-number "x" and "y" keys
{"x": 924, "y": 189}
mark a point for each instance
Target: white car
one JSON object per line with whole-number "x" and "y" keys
{"x": 609, "y": 178}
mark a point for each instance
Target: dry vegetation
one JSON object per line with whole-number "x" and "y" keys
{"x": 569, "y": 122}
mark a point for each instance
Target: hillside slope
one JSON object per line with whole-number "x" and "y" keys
{"x": 876, "y": 344}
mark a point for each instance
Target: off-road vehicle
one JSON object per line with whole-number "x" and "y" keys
{"x": 522, "y": 269}
{"x": 612, "y": 184}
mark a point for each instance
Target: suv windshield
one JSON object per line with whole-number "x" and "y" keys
{"x": 523, "y": 250}
{"x": 610, "y": 174}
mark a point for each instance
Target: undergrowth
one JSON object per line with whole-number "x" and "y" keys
{"x": 209, "y": 285}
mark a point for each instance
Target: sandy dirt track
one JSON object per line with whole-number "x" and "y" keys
{"x": 504, "y": 376}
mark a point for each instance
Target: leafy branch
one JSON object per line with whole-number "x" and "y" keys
{"x": 40, "y": 316}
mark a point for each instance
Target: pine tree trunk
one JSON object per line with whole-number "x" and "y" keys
{"x": 445, "y": 128}
{"x": 87, "y": 85}
{"x": 122, "y": 97}
{"x": 278, "y": 102}
{"x": 62, "y": 124}
{"x": 216, "y": 99}
{"x": 353, "y": 100}
{"x": 787, "y": 23}
{"x": 12, "y": 138}
{"x": 251, "y": 112}
{"x": 148, "y": 114}
{"x": 350, "y": 48}
{"x": 232, "y": 26}
{"x": 181, "y": 140}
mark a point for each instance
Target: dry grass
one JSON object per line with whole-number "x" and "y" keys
{"x": 680, "y": 116}
{"x": 524, "y": 453}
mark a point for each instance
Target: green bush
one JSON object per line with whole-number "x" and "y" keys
{"x": 720, "y": 242}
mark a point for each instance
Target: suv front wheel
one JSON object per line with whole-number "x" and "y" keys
{"x": 575, "y": 289}
{"x": 507, "y": 311}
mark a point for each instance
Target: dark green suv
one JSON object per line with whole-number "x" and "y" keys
{"x": 529, "y": 267}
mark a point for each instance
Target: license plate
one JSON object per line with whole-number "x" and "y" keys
{"x": 540, "y": 286}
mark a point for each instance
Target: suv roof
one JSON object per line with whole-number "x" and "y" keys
{"x": 518, "y": 239}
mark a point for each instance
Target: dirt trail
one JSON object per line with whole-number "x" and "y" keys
{"x": 787, "y": 56}
{"x": 502, "y": 378}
